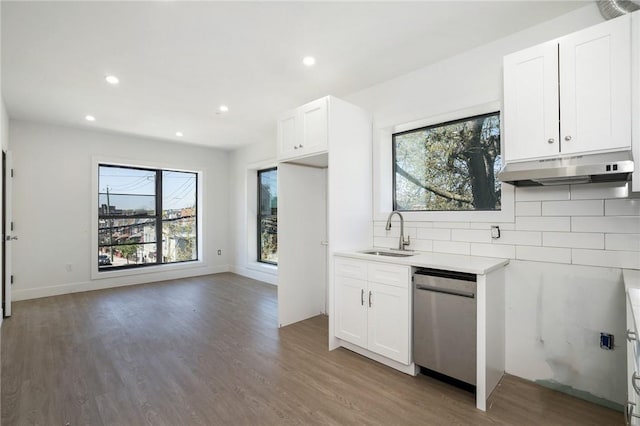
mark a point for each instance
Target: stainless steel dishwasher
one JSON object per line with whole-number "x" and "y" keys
{"x": 444, "y": 322}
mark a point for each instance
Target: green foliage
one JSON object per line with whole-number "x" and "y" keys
{"x": 450, "y": 166}
{"x": 128, "y": 251}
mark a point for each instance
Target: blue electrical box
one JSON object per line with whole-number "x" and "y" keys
{"x": 606, "y": 341}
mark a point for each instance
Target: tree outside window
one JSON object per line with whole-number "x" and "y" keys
{"x": 448, "y": 166}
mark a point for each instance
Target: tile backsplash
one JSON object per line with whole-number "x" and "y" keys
{"x": 595, "y": 224}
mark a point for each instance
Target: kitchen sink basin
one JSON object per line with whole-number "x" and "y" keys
{"x": 387, "y": 253}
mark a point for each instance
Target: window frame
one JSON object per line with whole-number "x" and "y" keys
{"x": 394, "y": 205}
{"x": 382, "y": 171}
{"x": 259, "y": 216}
{"x": 153, "y": 267}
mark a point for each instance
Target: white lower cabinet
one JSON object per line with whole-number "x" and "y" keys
{"x": 373, "y": 307}
{"x": 632, "y": 410}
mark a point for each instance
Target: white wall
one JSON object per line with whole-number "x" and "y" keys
{"x": 555, "y": 308}
{"x": 52, "y": 204}
{"x": 243, "y": 210}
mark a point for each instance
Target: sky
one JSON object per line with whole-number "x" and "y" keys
{"x": 179, "y": 188}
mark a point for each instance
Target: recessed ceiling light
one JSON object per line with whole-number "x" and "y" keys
{"x": 223, "y": 108}
{"x": 89, "y": 118}
{"x": 112, "y": 79}
{"x": 179, "y": 134}
{"x": 309, "y": 61}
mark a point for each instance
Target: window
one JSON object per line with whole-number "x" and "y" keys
{"x": 146, "y": 217}
{"x": 268, "y": 216}
{"x": 448, "y": 166}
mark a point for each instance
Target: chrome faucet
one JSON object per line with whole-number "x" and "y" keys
{"x": 402, "y": 243}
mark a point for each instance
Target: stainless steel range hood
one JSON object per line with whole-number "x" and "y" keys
{"x": 586, "y": 168}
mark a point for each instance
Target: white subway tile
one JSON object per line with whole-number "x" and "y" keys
{"x": 434, "y": 234}
{"x": 549, "y": 223}
{"x": 524, "y": 238}
{"x": 573, "y": 208}
{"x": 611, "y": 259}
{"x": 544, "y": 254}
{"x": 385, "y": 242}
{"x": 457, "y": 225}
{"x": 493, "y": 250}
{"x": 454, "y": 247}
{"x": 573, "y": 240}
{"x": 416, "y": 224}
{"x": 394, "y": 232}
{"x": 471, "y": 235}
{"x": 628, "y": 242}
{"x": 540, "y": 193}
{"x": 598, "y": 191}
{"x": 607, "y": 224}
{"x": 421, "y": 245}
{"x": 628, "y": 207}
{"x": 528, "y": 208}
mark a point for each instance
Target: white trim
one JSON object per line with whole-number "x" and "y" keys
{"x": 165, "y": 268}
{"x": 37, "y": 292}
{"x": 383, "y": 173}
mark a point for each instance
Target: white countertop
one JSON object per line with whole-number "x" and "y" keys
{"x": 449, "y": 262}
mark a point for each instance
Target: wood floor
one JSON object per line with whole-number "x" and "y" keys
{"x": 207, "y": 351}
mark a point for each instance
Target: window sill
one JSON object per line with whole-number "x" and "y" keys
{"x": 97, "y": 275}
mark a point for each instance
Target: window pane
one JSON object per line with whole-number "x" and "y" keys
{"x": 178, "y": 194}
{"x": 131, "y": 254}
{"x": 179, "y": 240}
{"x": 450, "y": 166}
{"x": 268, "y": 216}
{"x": 126, "y": 231}
{"x": 125, "y": 191}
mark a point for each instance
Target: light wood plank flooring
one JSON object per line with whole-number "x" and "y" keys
{"x": 207, "y": 351}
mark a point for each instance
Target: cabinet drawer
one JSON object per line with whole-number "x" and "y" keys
{"x": 351, "y": 268}
{"x": 385, "y": 273}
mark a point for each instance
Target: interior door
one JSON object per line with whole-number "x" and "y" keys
{"x": 302, "y": 225}
{"x": 7, "y": 232}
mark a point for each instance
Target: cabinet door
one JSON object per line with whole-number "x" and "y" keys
{"x": 531, "y": 128}
{"x": 287, "y": 136}
{"x": 388, "y": 321}
{"x": 595, "y": 88}
{"x": 313, "y": 120}
{"x": 351, "y": 310}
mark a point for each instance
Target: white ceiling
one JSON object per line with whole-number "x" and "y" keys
{"x": 178, "y": 61}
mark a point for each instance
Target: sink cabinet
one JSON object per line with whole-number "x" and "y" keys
{"x": 373, "y": 307}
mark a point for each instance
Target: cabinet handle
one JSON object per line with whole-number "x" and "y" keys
{"x": 635, "y": 377}
{"x": 631, "y": 336}
{"x": 369, "y": 299}
{"x": 629, "y": 414}
{"x": 551, "y": 140}
{"x": 567, "y": 138}
{"x": 362, "y": 297}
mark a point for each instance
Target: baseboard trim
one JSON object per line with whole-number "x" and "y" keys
{"x": 269, "y": 278}
{"x": 56, "y": 290}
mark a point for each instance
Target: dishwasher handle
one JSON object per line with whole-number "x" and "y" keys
{"x": 433, "y": 289}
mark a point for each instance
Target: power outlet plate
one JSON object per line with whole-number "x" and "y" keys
{"x": 606, "y": 341}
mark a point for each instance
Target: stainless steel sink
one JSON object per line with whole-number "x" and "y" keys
{"x": 387, "y": 253}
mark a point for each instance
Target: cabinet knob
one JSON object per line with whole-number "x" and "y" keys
{"x": 567, "y": 138}
{"x": 295, "y": 147}
{"x": 300, "y": 146}
{"x": 551, "y": 140}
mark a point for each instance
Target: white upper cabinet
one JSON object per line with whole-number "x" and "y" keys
{"x": 303, "y": 131}
{"x": 571, "y": 95}
{"x": 635, "y": 96}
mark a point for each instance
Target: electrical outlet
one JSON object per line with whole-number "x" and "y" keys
{"x": 219, "y": 252}
{"x": 495, "y": 232}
